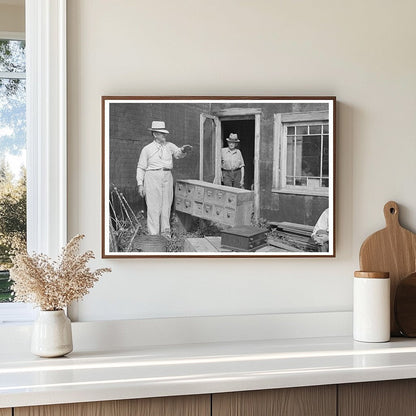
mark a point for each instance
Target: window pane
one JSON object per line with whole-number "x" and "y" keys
{"x": 290, "y": 180}
{"x": 300, "y": 181}
{"x": 325, "y": 156}
{"x": 315, "y": 129}
{"x": 12, "y": 173}
{"x": 301, "y": 130}
{"x": 298, "y": 156}
{"x": 291, "y": 130}
{"x": 325, "y": 128}
{"x": 290, "y": 157}
{"x": 310, "y": 156}
{"x": 12, "y": 56}
{"x": 5, "y": 291}
{"x": 13, "y": 122}
{"x": 325, "y": 182}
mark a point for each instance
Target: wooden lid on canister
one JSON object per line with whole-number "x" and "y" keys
{"x": 372, "y": 275}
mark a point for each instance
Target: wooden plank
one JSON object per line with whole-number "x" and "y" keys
{"x": 283, "y": 246}
{"x": 244, "y": 192}
{"x": 215, "y": 242}
{"x": 307, "y": 116}
{"x": 198, "y": 245}
{"x": 232, "y": 112}
{"x": 384, "y": 398}
{"x": 296, "y": 226}
{"x": 269, "y": 248}
{"x": 163, "y": 406}
{"x": 5, "y": 412}
{"x": 301, "y": 401}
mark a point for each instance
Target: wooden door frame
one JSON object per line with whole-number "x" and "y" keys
{"x": 236, "y": 114}
{"x": 217, "y": 164}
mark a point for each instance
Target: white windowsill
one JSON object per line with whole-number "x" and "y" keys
{"x": 16, "y": 313}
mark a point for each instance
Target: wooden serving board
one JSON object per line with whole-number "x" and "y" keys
{"x": 405, "y": 306}
{"x": 393, "y": 250}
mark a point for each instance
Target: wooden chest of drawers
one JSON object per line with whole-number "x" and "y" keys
{"x": 218, "y": 203}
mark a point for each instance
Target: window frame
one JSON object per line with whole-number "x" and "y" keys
{"x": 281, "y": 120}
{"x": 46, "y": 138}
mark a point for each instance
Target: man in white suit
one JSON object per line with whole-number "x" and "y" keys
{"x": 154, "y": 177}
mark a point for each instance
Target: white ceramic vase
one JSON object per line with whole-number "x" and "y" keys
{"x": 52, "y": 334}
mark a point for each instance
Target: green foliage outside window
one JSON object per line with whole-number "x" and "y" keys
{"x": 12, "y": 151}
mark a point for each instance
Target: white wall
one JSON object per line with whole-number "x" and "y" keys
{"x": 361, "y": 51}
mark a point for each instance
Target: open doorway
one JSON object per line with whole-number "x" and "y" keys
{"x": 245, "y": 129}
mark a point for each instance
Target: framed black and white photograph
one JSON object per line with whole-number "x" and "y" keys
{"x": 218, "y": 176}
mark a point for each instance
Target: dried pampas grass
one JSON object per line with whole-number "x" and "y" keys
{"x": 53, "y": 285}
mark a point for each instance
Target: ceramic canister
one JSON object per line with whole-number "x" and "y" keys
{"x": 371, "y": 310}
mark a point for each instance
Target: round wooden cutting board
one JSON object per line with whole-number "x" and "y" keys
{"x": 405, "y": 306}
{"x": 393, "y": 250}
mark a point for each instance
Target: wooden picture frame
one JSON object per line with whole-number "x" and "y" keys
{"x": 273, "y": 196}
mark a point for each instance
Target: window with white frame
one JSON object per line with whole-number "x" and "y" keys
{"x": 46, "y": 135}
{"x": 12, "y": 155}
{"x": 302, "y": 161}
{"x": 307, "y": 155}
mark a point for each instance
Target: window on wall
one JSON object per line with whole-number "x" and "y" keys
{"x": 301, "y": 162}
{"x": 306, "y": 156}
{"x": 12, "y": 169}
{"x": 44, "y": 95}
{"x": 12, "y": 156}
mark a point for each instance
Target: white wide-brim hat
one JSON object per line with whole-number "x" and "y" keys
{"x": 159, "y": 126}
{"x": 233, "y": 138}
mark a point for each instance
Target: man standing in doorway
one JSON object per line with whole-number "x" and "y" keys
{"x": 232, "y": 163}
{"x": 154, "y": 177}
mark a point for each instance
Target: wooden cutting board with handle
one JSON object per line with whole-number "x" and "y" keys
{"x": 393, "y": 250}
{"x": 405, "y": 306}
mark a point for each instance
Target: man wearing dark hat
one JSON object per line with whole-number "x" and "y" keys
{"x": 154, "y": 177}
{"x": 232, "y": 163}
